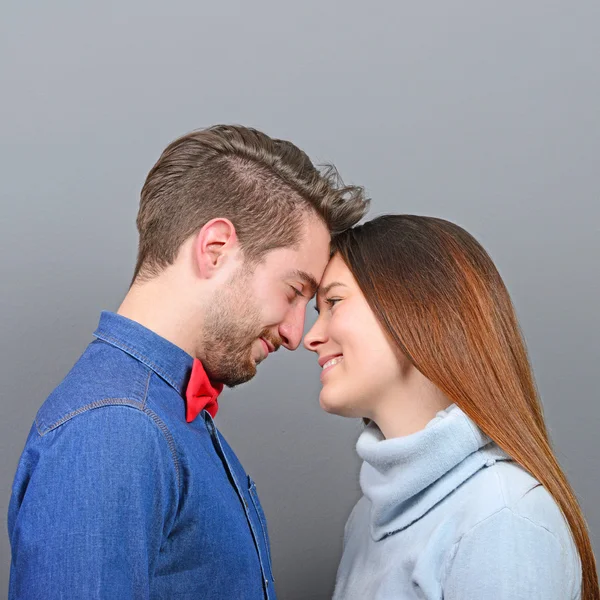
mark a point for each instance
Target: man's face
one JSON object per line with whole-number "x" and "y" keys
{"x": 263, "y": 308}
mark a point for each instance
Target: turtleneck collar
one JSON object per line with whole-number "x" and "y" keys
{"x": 407, "y": 476}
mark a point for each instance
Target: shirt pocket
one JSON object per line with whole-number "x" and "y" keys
{"x": 263, "y": 522}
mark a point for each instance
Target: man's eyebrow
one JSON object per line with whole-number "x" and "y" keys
{"x": 308, "y": 279}
{"x": 323, "y": 291}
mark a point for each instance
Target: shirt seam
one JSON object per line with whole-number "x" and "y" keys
{"x": 537, "y": 484}
{"x": 133, "y": 404}
{"x": 209, "y": 423}
{"x": 170, "y": 442}
{"x": 495, "y": 471}
{"x": 87, "y": 407}
{"x": 145, "y": 396}
{"x": 165, "y": 431}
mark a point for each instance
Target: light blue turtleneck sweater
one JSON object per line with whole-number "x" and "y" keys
{"x": 445, "y": 514}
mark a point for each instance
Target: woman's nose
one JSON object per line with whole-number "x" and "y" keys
{"x": 315, "y": 336}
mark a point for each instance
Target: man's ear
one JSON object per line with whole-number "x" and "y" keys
{"x": 215, "y": 244}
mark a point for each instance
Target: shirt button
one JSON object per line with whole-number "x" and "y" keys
{"x": 490, "y": 462}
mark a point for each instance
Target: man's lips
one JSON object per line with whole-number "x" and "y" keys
{"x": 268, "y": 346}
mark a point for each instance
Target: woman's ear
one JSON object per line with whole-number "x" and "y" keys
{"x": 215, "y": 244}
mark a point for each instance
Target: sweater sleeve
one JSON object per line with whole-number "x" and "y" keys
{"x": 508, "y": 557}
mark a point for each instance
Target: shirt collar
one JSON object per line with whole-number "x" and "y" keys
{"x": 167, "y": 360}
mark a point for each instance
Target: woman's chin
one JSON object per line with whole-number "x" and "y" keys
{"x": 333, "y": 405}
{"x": 326, "y": 403}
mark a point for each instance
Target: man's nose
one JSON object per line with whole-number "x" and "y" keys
{"x": 291, "y": 330}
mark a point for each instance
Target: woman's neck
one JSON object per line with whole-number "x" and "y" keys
{"x": 407, "y": 410}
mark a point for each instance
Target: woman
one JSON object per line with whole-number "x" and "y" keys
{"x": 463, "y": 497}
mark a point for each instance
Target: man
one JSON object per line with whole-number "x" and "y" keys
{"x": 125, "y": 488}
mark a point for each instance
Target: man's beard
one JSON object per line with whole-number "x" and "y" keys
{"x": 231, "y": 328}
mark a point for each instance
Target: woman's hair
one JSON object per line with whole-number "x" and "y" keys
{"x": 441, "y": 300}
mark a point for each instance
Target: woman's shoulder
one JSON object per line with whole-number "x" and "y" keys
{"x": 503, "y": 485}
{"x": 527, "y": 497}
{"x": 511, "y": 488}
{"x": 507, "y": 517}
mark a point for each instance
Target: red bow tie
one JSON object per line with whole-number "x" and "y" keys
{"x": 201, "y": 393}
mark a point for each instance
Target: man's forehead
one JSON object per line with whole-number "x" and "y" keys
{"x": 314, "y": 249}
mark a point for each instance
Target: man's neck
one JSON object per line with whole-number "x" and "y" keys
{"x": 154, "y": 305}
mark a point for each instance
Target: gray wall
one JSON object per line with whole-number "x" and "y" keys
{"x": 486, "y": 113}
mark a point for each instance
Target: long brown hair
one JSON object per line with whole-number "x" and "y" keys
{"x": 441, "y": 300}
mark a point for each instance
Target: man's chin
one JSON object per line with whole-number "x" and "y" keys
{"x": 232, "y": 380}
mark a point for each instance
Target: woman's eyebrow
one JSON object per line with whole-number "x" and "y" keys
{"x": 324, "y": 290}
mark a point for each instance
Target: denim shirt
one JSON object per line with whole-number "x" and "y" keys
{"x": 117, "y": 496}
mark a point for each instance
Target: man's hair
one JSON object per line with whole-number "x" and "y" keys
{"x": 264, "y": 186}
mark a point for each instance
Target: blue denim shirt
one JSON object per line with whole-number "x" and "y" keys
{"x": 117, "y": 496}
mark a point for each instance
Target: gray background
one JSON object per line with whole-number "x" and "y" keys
{"x": 486, "y": 113}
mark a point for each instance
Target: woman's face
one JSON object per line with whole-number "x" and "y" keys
{"x": 360, "y": 368}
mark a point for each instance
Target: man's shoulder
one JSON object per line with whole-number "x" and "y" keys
{"x": 103, "y": 376}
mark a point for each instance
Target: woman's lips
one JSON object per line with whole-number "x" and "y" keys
{"x": 329, "y": 364}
